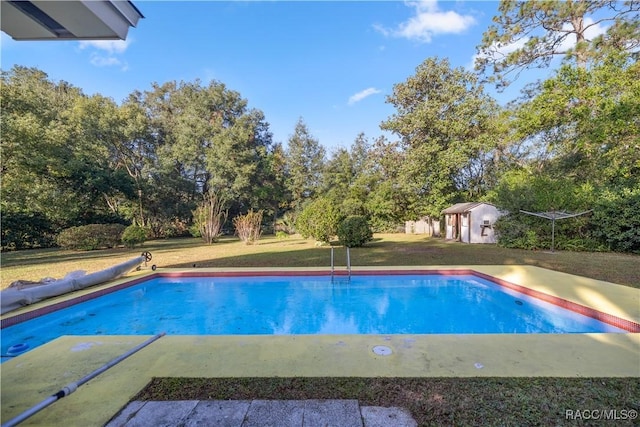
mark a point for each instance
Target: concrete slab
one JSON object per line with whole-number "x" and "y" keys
{"x": 162, "y": 414}
{"x": 126, "y": 414}
{"x": 220, "y": 413}
{"x": 244, "y": 413}
{"x": 275, "y": 413}
{"x": 332, "y": 413}
{"x": 377, "y": 416}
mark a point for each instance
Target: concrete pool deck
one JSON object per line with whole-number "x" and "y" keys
{"x": 28, "y": 379}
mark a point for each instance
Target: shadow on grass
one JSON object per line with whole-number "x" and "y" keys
{"x": 375, "y": 253}
{"x": 292, "y": 258}
{"x": 383, "y": 250}
{"x": 616, "y": 268}
{"x": 57, "y": 255}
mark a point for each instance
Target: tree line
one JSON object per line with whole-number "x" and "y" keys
{"x": 571, "y": 142}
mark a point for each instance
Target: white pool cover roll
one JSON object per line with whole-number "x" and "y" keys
{"x": 14, "y": 298}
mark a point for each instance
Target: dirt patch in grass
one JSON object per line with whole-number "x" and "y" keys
{"x": 433, "y": 401}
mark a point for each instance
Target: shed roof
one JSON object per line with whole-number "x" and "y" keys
{"x": 463, "y": 207}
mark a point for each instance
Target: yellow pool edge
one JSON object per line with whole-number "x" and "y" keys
{"x": 29, "y": 378}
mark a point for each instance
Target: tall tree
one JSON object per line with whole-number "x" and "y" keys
{"x": 136, "y": 154}
{"x": 529, "y": 34}
{"x": 387, "y": 199}
{"x": 338, "y": 174}
{"x": 359, "y": 152}
{"x": 590, "y": 122}
{"x": 444, "y": 120}
{"x": 272, "y": 186}
{"x": 305, "y": 162}
{"x": 96, "y": 128}
{"x": 166, "y": 177}
{"x": 204, "y": 139}
{"x": 31, "y": 106}
{"x": 55, "y": 149}
{"x": 237, "y": 159}
{"x": 344, "y": 177}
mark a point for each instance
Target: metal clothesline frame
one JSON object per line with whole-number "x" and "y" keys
{"x": 553, "y": 215}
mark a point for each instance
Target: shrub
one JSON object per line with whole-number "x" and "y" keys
{"x": 516, "y": 231}
{"x": 616, "y": 221}
{"x": 286, "y": 224}
{"x": 172, "y": 228}
{"x": 26, "y": 230}
{"x": 248, "y": 226}
{"x": 526, "y": 232}
{"x": 194, "y": 230}
{"x": 529, "y": 240}
{"x": 134, "y": 235}
{"x": 354, "y": 231}
{"x": 280, "y": 235}
{"x": 579, "y": 245}
{"x": 319, "y": 219}
{"x": 210, "y": 216}
{"x": 90, "y": 237}
{"x": 525, "y": 190}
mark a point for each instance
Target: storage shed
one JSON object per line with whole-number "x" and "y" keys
{"x": 471, "y": 222}
{"x": 425, "y": 225}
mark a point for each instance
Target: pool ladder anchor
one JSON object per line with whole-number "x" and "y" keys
{"x": 333, "y": 270}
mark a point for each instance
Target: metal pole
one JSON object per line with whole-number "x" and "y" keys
{"x": 332, "y": 263}
{"x": 553, "y": 233}
{"x": 70, "y": 388}
{"x": 141, "y": 212}
{"x": 349, "y": 261}
{"x": 552, "y": 216}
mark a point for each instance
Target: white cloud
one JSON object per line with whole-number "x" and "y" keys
{"x": 382, "y": 30}
{"x": 428, "y": 21}
{"x": 498, "y": 52}
{"x": 362, "y": 95}
{"x": 107, "y": 61}
{"x": 110, "y": 46}
{"x": 104, "y": 61}
{"x": 591, "y": 33}
{"x": 105, "y": 53}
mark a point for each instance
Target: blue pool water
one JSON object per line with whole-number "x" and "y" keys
{"x": 402, "y": 304}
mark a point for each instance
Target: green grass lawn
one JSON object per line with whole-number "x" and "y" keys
{"x": 432, "y": 401}
{"x": 384, "y": 250}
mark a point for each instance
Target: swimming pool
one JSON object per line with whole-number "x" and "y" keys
{"x": 365, "y": 304}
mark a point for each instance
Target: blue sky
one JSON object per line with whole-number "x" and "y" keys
{"x": 331, "y": 63}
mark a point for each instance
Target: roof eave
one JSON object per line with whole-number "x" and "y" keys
{"x": 68, "y": 20}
